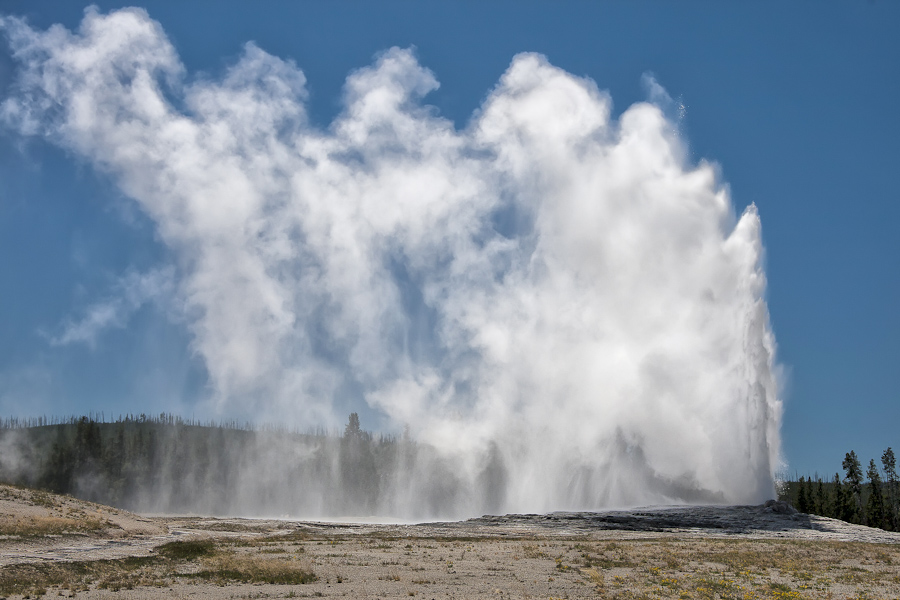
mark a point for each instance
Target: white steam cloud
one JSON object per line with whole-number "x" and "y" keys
{"x": 130, "y": 292}
{"x": 550, "y": 287}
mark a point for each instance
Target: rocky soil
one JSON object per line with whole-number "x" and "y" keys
{"x": 61, "y": 546}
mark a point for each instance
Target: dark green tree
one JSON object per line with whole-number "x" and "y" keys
{"x": 352, "y": 429}
{"x": 853, "y": 477}
{"x": 843, "y": 503}
{"x": 821, "y": 504}
{"x": 59, "y": 469}
{"x": 88, "y": 444}
{"x": 891, "y": 483}
{"x": 875, "y": 516}
{"x": 810, "y": 496}
{"x": 802, "y": 496}
{"x": 113, "y": 460}
{"x": 359, "y": 473}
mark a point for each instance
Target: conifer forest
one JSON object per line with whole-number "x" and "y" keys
{"x": 165, "y": 464}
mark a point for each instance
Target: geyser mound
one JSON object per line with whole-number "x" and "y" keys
{"x": 556, "y": 301}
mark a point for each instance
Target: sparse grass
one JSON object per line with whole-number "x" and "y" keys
{"x": 187, "y": 549}
{"x": 57, "y": 515}
{"x": 247, "y": 568}
{"x": 34, "y": 526}
{"x": 738, "y": 569}
{"x": 118, "y": 574}
{"x": 532, "y": 551}
{"x": 289, "y": 536}
{"x": 595, "y": 577}
{"x": 41, "y": 498}
{"x": 688, "y": 568}
{"x": 182, "y": 559}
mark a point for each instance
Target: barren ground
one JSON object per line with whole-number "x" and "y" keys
{"x": 61, "y": 547}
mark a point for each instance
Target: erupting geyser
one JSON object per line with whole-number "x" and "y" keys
{"x": 557, "y": 301}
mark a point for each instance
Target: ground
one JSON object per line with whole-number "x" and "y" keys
{"x": 56, "y": 546}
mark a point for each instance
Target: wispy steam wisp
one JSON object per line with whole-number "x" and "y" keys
{"x": 551, "y": 288}
{"x": 129, "y": 294}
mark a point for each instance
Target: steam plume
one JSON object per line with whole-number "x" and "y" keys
{"x": 550, "y": 291}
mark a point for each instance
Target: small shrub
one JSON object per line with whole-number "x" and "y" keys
{"x": 187, "y": 549}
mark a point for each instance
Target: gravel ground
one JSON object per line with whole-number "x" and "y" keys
{"x": 62, "y": 547}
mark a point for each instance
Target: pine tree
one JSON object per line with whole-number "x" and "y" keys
{"x": 113, "y": 459}
{"x": 821, "y": 502}
{"x": 58, "y": 473}
{"x": 352, "y": 429}
{"x": 875, "y": 505}
{"x": 843, "y": 503}
{"x": 892, "y": 482}
{"x": 810, "y": 496}
{"x": 853, "y": 471}
{"x": 833, "y": 499}
{"x": 802, "y": 496}
{"x": 359, "y": 474}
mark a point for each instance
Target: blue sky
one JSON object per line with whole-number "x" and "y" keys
{"x": 796, "y": 103}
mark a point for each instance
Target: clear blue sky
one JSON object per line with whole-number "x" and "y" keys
{"x": 797, "y": 102}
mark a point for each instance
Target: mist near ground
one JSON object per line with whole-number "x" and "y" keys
{"x": 165, "y": 465}
{"x": 553, "y": 296}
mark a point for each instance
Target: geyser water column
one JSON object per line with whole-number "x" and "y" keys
{"x": 557, "y": 301}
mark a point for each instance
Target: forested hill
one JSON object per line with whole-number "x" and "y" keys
{"x": 168, "y": 465}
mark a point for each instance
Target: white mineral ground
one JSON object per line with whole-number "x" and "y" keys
{"x": 490, "y": 556}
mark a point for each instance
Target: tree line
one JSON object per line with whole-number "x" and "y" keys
{"x": 169, "y": 465}
{"x": 866, "y": 498}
